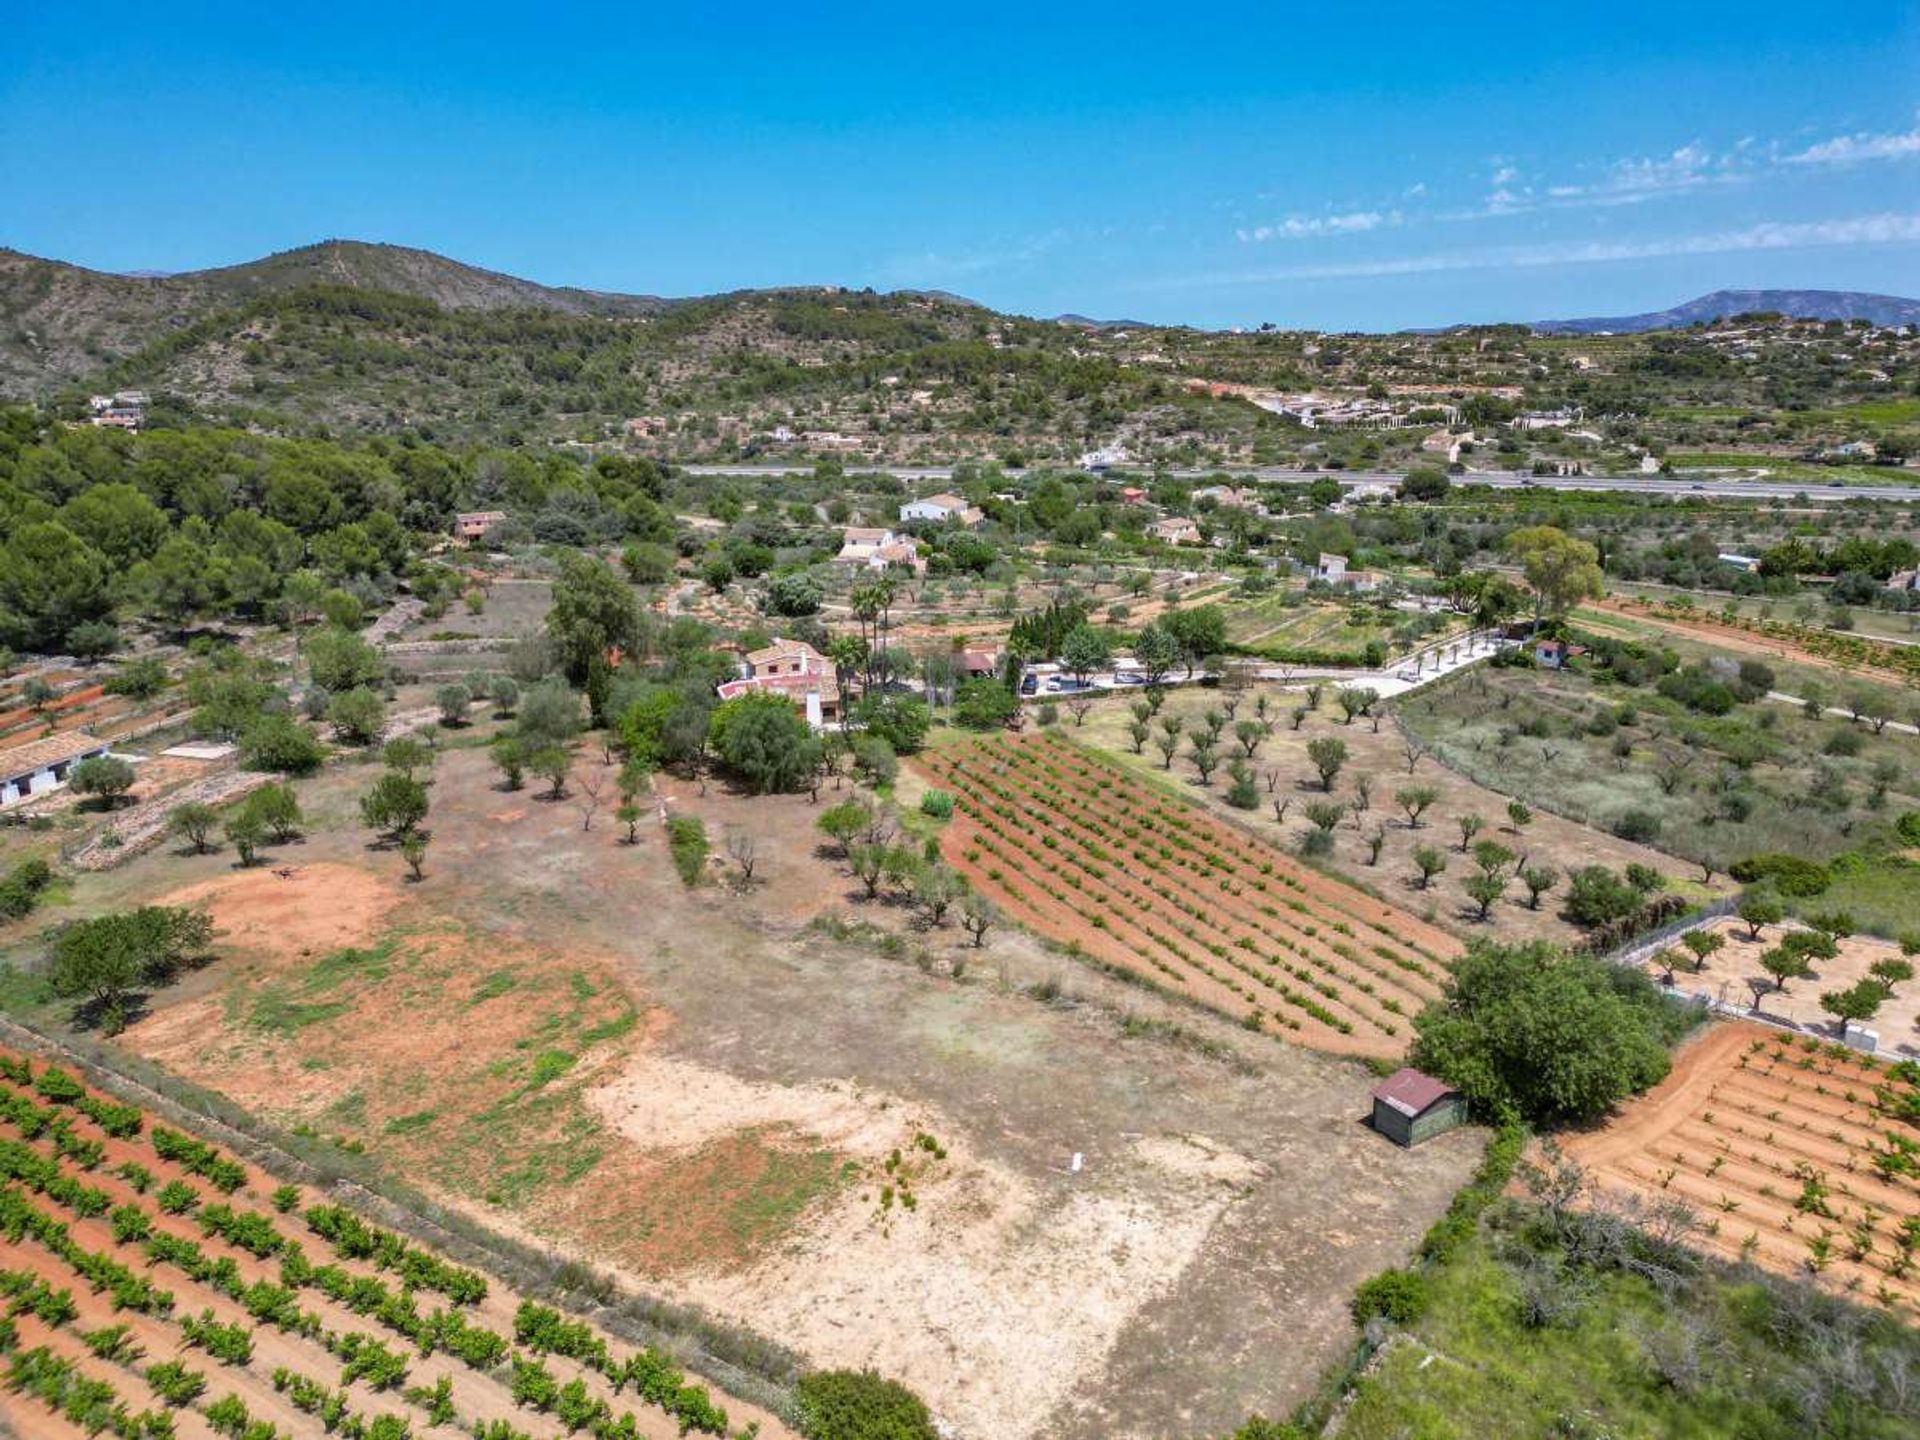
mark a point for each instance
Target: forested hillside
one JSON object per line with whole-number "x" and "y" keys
{"x": 177, "y": 526}
{"x": 352, "y": 338}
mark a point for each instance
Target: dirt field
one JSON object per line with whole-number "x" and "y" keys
{"x": 1091, "y": 857}
{"x": 1727, "y": 971}
{"x": 1796, "y": 1154}
{"x": 703, "y": 1091}
{"x": 1380, "y": 757}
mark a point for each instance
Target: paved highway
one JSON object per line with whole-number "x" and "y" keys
{"x": 1494, "y": 479}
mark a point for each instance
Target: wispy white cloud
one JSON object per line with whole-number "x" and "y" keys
{"x": 1859, "y": 148}
{"x": 1307, "y": 227}
{"x": 1687, "y": 168}
{"x": 932, "y": 265}
{"x": 1622, "y": 182}
{"x": 1514, "y": 188}
{"x": 1769, "y": 235}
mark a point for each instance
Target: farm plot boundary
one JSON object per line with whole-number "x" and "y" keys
{"x": 1084, "y": 853}
{"x": 743, "y": 1363}
{"x": 1799, "y": 1155}
{"x": 150, "y": 1275}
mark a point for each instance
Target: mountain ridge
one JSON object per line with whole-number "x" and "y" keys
{"x": 1880, "y": 310}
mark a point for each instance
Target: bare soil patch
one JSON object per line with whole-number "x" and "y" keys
{"x": 1797, "y": 1155}
{"x": 740, "y": 1078}
{"x": 1727, "y": 972}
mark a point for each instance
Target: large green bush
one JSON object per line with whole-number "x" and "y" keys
{"x": 687, "y": 842}
{"x": 1396, "y": 1295}
{"x": 859, "y": 1405}
{"x": 1790, "y": 874}
{"x": 1546, "y": 1035}
{"x": 1596, "y": 895}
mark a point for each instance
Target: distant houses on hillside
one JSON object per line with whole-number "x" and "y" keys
{"x": 1176, "y": 530}
{"x": 122, "y": 410}
{"x": 470, "y": 527}
{"x": 940, "y": 509}
{"x": 876, "y": 548}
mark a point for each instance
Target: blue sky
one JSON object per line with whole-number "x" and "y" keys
{"x": 1361, "y": 167}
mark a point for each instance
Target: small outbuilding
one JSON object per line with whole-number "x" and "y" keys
{"x": 45, "y": 764}
{"x": 1410, "y": 1106}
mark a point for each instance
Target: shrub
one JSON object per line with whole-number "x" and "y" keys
{"x": 1396, "y": 1295}
{"x": 174, "y": 1383}
{"x": 453, "y": 700}
{"x": 103, "y": 777}
{"x": 1642, "y": 827}
{"x": 983, "y": 704}
{"x": 1596, "y": 896}
{"x": 20, "y": 891}
{"x": 395, "y": 805}
{"x": 282, "y": 744}
{"x": 936, "y": 803}
{"x": 874, "y": 759}
{"x": 859, "y": 1405}
{"x": 357, "y": 716}
{"x": 1791, "y": 875}
{"x": 687, "y": 843}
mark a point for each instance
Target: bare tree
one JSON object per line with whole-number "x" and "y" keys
{"x": 1411, "y": 747}
{"x": 745, "y": 852}
{"x": 977, "y": 915}
{"x": 590, "y": 793}
{"x": 1672, "y": 769}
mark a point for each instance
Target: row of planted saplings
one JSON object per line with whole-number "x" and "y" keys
{"x": 1250, "y": 913}
{"x": 365, "y": 1357}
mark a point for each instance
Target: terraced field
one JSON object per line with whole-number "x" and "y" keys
{"x": 1798, "y": 1155}
{"x": 155, "y": 1287}
{"x": 1091, "y": 856}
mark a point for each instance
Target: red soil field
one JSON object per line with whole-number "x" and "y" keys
{"x": 1088, "y": 855}
{"x": 109, "y": 1168}
{"x": 1801, "y": 1156}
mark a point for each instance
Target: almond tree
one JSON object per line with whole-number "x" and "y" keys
{"x": 1784, "y": 963}
{"x": 1429, "y": 862}
{"x": 1416, "y": 800}
{"x": 1484, "y": 889}
{"x": 1704, "y": 944}
{"x": 1538, "y": 879}
{"x": 1169, "y": 742}
{"x": 977, "y": 915}
{"x": 1328, "y": 753}
{"x": 1205, "y": 761}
